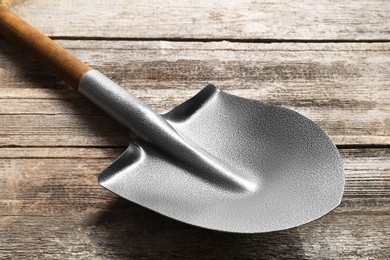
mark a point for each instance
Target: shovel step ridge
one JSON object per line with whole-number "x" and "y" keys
{"x": 150, "y": 127}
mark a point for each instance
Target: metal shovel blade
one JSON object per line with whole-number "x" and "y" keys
{"x": 292, "y": 171}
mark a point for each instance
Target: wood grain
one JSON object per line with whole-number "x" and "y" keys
{"x": 57, "y": 209}
{"x": 212, "y": 19}
{"x": 342, "y": 87}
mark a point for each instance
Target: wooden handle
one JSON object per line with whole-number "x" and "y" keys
{"x": 44, "y": 50}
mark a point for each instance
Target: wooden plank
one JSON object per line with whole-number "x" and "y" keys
{"x": 342, "y": 87}
{"x": 59, "y": 152}
{"x": 52, "y": 206}
{"x": 41, "y": 175}
{"x": 127, "y": 231}
{"x": 212, "y": 19}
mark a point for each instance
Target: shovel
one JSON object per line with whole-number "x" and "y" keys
{"x": 217, "y": 160}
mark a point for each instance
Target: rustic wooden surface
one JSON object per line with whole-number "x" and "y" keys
{"x": 327, "y": 60}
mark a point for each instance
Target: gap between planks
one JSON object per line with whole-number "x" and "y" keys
{"x": 232, "y": 40}
{"x": 101, "y": 152}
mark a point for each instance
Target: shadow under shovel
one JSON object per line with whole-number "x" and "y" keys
{"x": 127, "y": 230}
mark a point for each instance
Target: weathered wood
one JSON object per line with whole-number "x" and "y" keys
{"x": 53, "y": 144}
{"x": 127, "y": 231}
{"x": 342, "y": 87}
{"x": 52, "y": 207}
{"x": 213, "y": 19}
{"x": 59, "y": 152}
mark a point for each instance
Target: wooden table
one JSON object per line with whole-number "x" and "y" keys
{"x": 329, "y": 60}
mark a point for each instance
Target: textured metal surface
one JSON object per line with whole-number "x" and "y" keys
{"x": 220, "y": 161}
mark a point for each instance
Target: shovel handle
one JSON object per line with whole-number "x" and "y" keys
{"x": 51, "y": 55}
